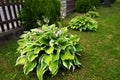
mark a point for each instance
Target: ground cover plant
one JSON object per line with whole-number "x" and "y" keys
{"x": 48, "y": 49}
{"x": 92, "y": 14}
{"x": 100, "y": 60}
{"x": 83, "y": 23}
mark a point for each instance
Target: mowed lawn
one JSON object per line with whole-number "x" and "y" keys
{"x": 100, "y": 58}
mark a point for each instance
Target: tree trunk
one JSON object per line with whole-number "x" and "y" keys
{"x": 107, "y": 3}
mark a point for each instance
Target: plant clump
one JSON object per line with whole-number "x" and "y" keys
{"x": 47, "y": 50}
{"x": 83, "y": 23}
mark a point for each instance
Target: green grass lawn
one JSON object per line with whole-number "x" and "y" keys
{"x": 100, "y": 60}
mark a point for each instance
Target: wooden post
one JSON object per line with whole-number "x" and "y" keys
{"x": 107, "y": 3}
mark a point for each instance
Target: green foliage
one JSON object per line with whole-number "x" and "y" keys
{"x": 83, "y": 23}
{"x": 86, "y": 5}
{"x": 34, "y": 10}
{"x": 92, "y": 14}
{"x": 48, "y": 49}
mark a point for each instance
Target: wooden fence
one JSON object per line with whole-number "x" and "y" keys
{"x": 9, "y": 10}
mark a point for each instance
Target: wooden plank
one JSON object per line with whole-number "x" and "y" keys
{"x": 2, "y": 27}
{"x": 5, "y": 14}
{"x": 8, "y": 21}
{"x": 15, "y": 14}
{"x": 10, "y": 14}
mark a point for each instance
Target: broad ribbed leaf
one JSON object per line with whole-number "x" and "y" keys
{"x": 64, "y": 30}
{"x": 55, "y": 56}
{"x": 66, "y": 63}
{"x": 37, "y": 50}
{"x": 21, "y": 60}
{"x": 47, "y": 58}
{"x": 31, "y": 56}
{"x": 51, "y": 43}
{"x": 53, "y": 67}
{"x": 50, "y": 50}
{"x": 78, "y": 47}
{"x": 27, "y": 49}
{"x": 65, "y": 45}
{"x": 76, "y": 61}
{"x": 67, "y": 55}
{"x": 75, "y": 38}
{"x": 29, "y": 66}
{"x": 40, "y": 72}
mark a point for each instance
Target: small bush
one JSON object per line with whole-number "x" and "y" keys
{"x": 48, "y": 49}
{"x": 92, "y": 14}
{"x": 83, "y": 23}
{"x": 34, "y": 10}
{"x": 86, "y": 5}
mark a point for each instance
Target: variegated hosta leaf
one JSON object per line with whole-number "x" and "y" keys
{"x": 55, "y": 56}
{"x": 76, "y": 61}
{"x": 21, "y": 60}
{"x": 27, "y": 49}
{"x": 65, "y": 45}
{"x": 37, "y": 50}
{"x": 40, "y": 72}
{"x": 64, "y": 30}
{"x": 29, "y": 66}
{"x": 68, "y": 64}
{"x": 47, "y": 58}
{"x": 49, "y": 50}
{"x": 53, "y": 67}
{"x": 78, "y": 47}
{"x": 75, "y": 38}
{"x": 51, "y": 43}
{"x": 66, "y": 55}
{"x": 31, "y": 56}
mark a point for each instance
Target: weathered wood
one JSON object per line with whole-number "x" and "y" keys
{"x": 107, "y": 3}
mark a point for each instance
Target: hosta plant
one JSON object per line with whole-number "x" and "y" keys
{"x": 92, "y": 14}
{"x": 83, "y": 23}
{"x": 48, "y": 49}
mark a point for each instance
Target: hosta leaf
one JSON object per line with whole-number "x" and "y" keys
{"x": 78, "y": 47}
{"x": 66, "y": 63}
{"x": 29, "y": 66}
{"x": 75, "y": 38}
{"x": 55, "y": 56}
{"x": 21, "y": 60}
{"x": 44, "y": 27}
{"x": 43, "y": 40}
{"x": 51, "y": 43}
{"x": 40, "y": 72}
{"x": 53, "y": 67}
{"x": 21, "y": 42}
{"x": 64, "y": 30}
{"x": 31, "y": 56}
{"x": 64, "y": 45}
{"x": 50, "y": 50}
{"x": 67, "y": 55}
{"x": 27, "y": 49}
{"x": 76, "y": 62}
{"x": 47, "y": 58}
{"x": 37, "y": 50}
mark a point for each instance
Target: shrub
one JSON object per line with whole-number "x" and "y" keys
{"x": 48, "y": 49}
{"x": 92, "y": 14}
{"x": 34, "y": 10}
{"x": 86, "y": 5}
{"x": 83, "y": 23}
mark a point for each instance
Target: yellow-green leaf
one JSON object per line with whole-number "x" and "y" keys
{"x": 50, "y": 50}
{"x": 21, "y": 60}
{"x": 67, "y": 55}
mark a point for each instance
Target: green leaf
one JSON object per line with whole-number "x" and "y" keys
{"x": 21, "y": 60}
{"x": 67, "y": 55}
{"x": 51, "y": 43}
{"x": 76, "y": 61}
{"x": 47, "y": 58}
{"x": 64, "y": 30}
{"x": 54, "y": 67}
{"x": 31, "y": 56}
{"x": 75, "y": 38}
{"x": 40, "y": 72}
{"x": 78, "y": 47}
{"x": 29, "y": 66}
{"x": 37, "y": 50}
{"x": 65, "y": 45}
{"x": 50, "y": 50}
{"x": 66, "y": 63}
{"x": 55, "y": 56}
